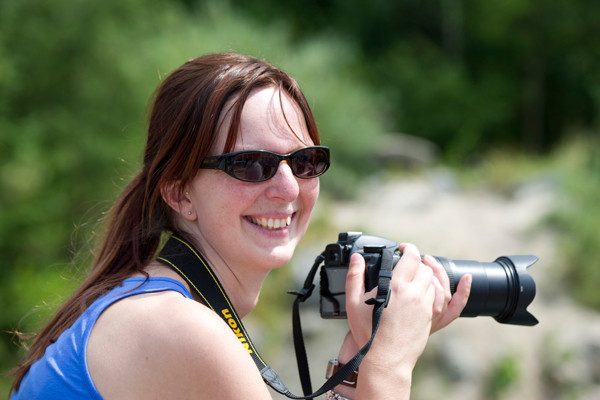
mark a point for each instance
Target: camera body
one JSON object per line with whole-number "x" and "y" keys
{"x": 337, "y": 258}
{"x": 502, "y": 289}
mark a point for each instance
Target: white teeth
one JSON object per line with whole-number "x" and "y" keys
{"x": 270, "y": 223}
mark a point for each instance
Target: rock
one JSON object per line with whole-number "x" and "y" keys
{"x": 406, "y": 151}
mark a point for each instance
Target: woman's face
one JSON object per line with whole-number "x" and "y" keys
{"x": 256, "y": 224}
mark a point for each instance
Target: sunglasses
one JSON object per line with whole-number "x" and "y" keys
{"x": 261, "y": 165}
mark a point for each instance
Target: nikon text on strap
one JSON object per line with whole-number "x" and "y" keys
{"x": 183, "y": 258}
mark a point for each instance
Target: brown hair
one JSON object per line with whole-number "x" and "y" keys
{"x": 182, "y": 129}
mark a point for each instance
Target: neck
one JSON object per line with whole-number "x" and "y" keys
{"x": 242, "y": 285}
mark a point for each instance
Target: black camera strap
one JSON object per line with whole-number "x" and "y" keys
{"x": 189, "y": 263}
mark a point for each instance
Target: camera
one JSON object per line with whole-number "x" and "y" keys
{"x": 501, "y": 289}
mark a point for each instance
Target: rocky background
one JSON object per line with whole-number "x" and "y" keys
{"x": 474, "y": 358}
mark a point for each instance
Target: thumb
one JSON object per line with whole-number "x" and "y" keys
{"x": 359, "y": 313}
{"x": 355, "y": 279}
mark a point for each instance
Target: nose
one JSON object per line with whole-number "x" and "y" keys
{"x": 284, "y": 185}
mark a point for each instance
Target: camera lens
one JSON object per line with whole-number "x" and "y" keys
{"x": 501, "y": 289}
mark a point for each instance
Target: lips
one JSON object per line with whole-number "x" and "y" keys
{"x": 271, "y": 223}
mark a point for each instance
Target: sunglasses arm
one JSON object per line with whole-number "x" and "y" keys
{"x": 210, "y": 163}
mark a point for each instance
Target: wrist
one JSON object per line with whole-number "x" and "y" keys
{"x": 384, "y": 381}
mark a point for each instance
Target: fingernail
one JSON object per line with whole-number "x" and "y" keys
{"x": 431, "y": 260}
{"x": 354, "y": 259}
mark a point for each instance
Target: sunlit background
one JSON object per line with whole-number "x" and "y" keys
{"x": 468, "y": 127}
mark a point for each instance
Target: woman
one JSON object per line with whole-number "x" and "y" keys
{"x": 133, "y": 330}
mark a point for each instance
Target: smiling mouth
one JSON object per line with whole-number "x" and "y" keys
{"x": 271, "y": 223}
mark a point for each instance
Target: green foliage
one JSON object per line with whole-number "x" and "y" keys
{"x": 577, "y": 218}
{"x": 504, "y": 375}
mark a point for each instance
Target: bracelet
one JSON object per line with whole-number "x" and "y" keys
{"x": 333, "y": 395}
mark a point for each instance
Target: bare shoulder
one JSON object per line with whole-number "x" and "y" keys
{"x": 163, "y": 345}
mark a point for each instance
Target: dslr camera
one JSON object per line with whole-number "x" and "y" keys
{"x": 501, "y": 289}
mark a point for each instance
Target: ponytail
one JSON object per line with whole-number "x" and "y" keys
{"x": 130, "y": 242}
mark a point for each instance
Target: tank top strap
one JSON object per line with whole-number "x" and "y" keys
{"x": 140, "y": 285}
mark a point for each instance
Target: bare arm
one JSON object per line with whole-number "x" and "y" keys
{"x": 166, "y": 346}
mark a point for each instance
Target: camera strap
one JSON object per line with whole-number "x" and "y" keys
{"x": 189, "y": 263}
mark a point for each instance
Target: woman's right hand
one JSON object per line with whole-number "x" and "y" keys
{"x": 404, "y": 328}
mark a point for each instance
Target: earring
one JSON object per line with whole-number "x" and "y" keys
{"x": 189, "y": 213}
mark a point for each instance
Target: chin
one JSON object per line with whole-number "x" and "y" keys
{"x": 280, "y": 259}
{"x": 279, "y": 256}
{"x": 273, "y": 253}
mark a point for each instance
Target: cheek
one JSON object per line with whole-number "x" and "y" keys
{"x": 219, "y": 220}
{"x": 215, "y": 201}
{"x": 230, "y": 201}
{"x": 310, "y": 193}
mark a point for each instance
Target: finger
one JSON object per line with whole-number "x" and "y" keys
{"x": 409, "y": 263}
{"x": 458, "y": 302}
{"x": 460, "y": 298}
{"x": 430, "y": 294}
{"x": 355, "y": 278}
{"x": 359, "y": 313}
{"x": 440, "y": 302}
{"x": 424, "y": 279}
{"x": 440, "y": 273}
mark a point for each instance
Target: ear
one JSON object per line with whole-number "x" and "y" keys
{"x": 178, "y": 199}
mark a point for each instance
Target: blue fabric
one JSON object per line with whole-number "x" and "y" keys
{"x": 62, "y": 372}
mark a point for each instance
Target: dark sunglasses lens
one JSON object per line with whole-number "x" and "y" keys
{"x": 254, "y": 166}
{"x": 310, "y": 162}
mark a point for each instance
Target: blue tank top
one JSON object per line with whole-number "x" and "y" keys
{"x": 62, "y": 372}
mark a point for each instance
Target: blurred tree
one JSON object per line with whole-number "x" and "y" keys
{"x": 63, "y": 103}
{"x": 468, "y": 74}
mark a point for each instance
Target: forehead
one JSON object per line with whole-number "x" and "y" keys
{"x": 270, "y": 120}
